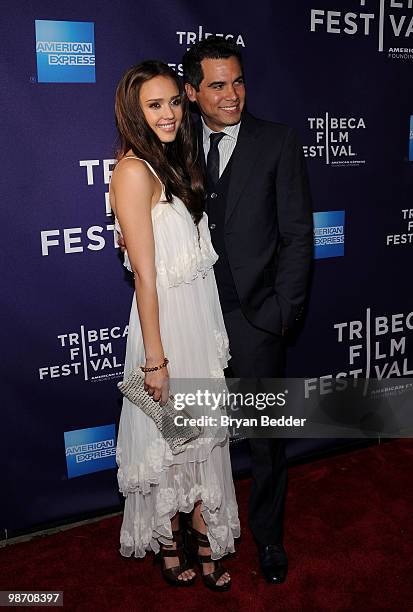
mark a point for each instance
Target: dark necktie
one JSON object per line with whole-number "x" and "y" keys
{"x": 213, "y": 158}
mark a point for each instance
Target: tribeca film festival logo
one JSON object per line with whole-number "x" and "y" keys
{"x": 189, "y": 38}
{"x": 65, "y": 51}
{"x": 375, "y": 347}
{"x": 389, "y": 21}
{"x": 329, "y": 234}
{"x": 90, "y": 450}
{"x": 333, "y": 139}
{"x": 406, "y": 237}
{"x": 93, "y": 238}
{"x": 91, "y": 353}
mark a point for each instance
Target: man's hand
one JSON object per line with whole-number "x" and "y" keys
{"x": 121, "y": 242}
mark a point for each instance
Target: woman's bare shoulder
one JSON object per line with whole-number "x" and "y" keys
{"x": 131, "y": 181}
{"x": 131, "y": 166}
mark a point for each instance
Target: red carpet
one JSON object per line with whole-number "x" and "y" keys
{"x": 349, "y": 535}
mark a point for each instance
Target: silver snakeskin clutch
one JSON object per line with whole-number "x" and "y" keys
{"x": 163, "y": 416}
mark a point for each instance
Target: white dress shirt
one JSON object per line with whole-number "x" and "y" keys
{"x": 225, "y": 146}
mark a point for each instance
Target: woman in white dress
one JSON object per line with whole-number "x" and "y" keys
{"x": 157, "y": 197}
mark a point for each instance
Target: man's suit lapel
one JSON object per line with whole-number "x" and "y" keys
{"x": 245, "y": 153}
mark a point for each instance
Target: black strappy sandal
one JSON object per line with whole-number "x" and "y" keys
{"x": 197, "y": 540}
{"x": 171, "y": 574}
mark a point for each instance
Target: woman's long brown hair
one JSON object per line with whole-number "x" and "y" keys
{"x": 175, "y": 163}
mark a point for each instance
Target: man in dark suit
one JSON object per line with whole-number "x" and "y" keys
{"x": 259, "y": 212}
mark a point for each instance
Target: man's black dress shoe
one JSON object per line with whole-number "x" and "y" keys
{"x": 273, "y": 562}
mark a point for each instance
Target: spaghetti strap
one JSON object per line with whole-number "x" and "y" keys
{"x": 147, "y": 163}
{"x": 163, "y": 193}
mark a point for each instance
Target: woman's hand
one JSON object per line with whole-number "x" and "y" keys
{"x": 157, "y": 385}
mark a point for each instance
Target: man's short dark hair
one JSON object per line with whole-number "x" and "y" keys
{"x": 213, "y": 47}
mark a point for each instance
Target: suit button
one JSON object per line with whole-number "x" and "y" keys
{"x": 214, "y": 195}
{"x": 212, "y": 226}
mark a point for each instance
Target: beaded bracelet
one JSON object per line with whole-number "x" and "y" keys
{"x": 159, "y": 367}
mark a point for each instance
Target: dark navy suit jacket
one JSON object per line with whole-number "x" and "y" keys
{"x": 268, "y": 223}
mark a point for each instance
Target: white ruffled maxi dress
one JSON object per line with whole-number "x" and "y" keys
{"x": 156, "y": 483}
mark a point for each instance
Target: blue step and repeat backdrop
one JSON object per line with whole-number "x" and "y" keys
{"x": 339, "y": 72}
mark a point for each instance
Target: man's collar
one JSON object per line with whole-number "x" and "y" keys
{"x": 230, "y": 130}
